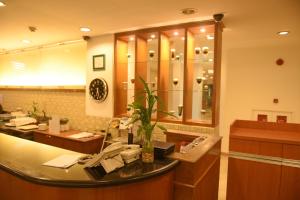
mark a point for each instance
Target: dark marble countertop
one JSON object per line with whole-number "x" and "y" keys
{"x": 24, "y": 158}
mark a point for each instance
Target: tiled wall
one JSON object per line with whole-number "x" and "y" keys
{"x": 72, "y": 106}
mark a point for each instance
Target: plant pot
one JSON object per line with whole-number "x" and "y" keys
{"x": 148, "y": 151}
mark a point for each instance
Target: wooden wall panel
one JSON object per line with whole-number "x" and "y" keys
{"x": 164, "y": 72}
{"x": 188, "y": 77}
{"x": 121, "y": 71}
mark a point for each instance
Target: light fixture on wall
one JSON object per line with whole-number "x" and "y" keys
{"x": 151, "y": 53}
{"x": 152, "y": 36}
{"x": 205, "y": 50}
{"x": 180, "y": 109}
{"x": 173, "y": 53}
{"x": 197, "y": 50}
{"x": 175, "y": 81}
{"x": 199, "y": 79}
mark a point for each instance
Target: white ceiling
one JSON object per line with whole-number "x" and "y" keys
{"x": 59, "y": 20}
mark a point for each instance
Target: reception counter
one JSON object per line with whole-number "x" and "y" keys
{"x": 192, "y": 175}
{"x": 22, "y": 176}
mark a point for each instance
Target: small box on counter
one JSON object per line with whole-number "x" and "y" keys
{"x": 162, "y": 149}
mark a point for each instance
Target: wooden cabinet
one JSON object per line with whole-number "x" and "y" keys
{"x": 290, "y": 177}
{"x": 252, "y": 180}
{"x": 197, "y": 176}
{"x": 264, "y": 161}
{"x": 181, "y": 62}
{"x": 85, "y": 145}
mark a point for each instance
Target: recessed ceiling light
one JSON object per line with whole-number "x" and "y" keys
{"x": 188, "y": 11}
{"x": 175, "y": 33}
{"x": 209, "y": 37}
{"x": 152, "y": 36}
{"x": 85, "y": 29}
{"x": 283, "y": 32}
{"x": 26, "y": 41}
{"x": 2, "y": 4}
{"x": 202, "y": 30}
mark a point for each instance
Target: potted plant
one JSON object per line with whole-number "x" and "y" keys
{"x": 143, "y": 108}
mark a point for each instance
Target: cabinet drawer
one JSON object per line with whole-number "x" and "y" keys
{"x": 244, "y": 146}
{"x": 255, "y": 147}
{"x": 291, "y": 151}
{"x": 49, "y": 139}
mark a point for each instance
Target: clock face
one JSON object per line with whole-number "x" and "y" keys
{"x": 98, "y": 89}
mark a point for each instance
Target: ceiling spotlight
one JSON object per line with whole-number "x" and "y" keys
{"x": 188, "y": 11}
{"x": 202, "y": 30}
{"x": 283, "y": 32}
{"x": 85, "y": 29}
{"x": 152, "y": 36}
{"x": 32, "y": 28}
{"x": 26, "y": 41}
{"x": 175, "y": 33}
{"x": 2, "y": 4}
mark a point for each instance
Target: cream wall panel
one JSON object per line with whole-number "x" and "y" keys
{"x": 251, "y": 79}
{"x": 95, "y": 46}
{"x": 57, "y": 66}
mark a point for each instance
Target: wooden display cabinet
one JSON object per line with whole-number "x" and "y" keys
{"x": 182, "y": 62}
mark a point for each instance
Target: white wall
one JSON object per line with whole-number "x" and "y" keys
{"x": 251, "y": 79}
{"x": 103, "y": 44}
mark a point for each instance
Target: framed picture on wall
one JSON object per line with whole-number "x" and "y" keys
{"x": 99, "y": 62}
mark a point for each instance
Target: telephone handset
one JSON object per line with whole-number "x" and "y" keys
{"x": 109, "y": 158}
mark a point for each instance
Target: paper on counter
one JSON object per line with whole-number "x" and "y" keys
{"x": 82, "y": 135}
{"x": 63, "y": 161}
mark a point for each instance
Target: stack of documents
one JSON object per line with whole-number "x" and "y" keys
{"x": 22, "y": 121}
{"x": 63, "y": 161}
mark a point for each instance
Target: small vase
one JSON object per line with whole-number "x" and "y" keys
{"x": 148, "y": 150}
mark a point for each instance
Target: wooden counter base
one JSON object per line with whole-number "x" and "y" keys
{"x": 158, "y": 188}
